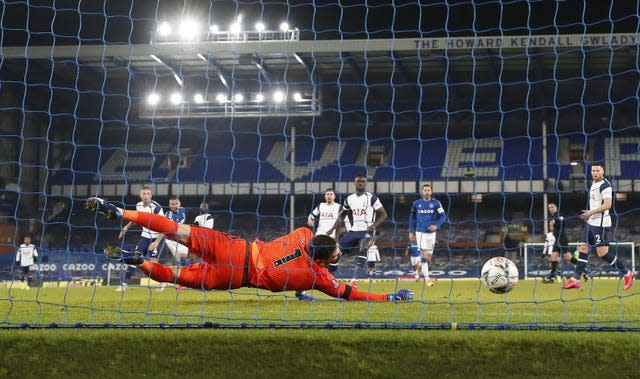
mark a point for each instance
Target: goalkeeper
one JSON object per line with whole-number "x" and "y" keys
{"x": 294, "y": 262}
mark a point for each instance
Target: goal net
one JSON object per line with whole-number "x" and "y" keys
{"x": 256, "y": 109}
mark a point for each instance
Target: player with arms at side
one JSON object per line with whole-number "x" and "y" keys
{"x": 296, "y": 261}
{"x": 365, "y": 213}
{"x": 149, "y": 240}
{"x": 323, "y": 216}
{"x": 427, "y": 215}
{"x": 26, "y": 257}
{"x": 596, "y": 232}
{"x": 326, "y": 214}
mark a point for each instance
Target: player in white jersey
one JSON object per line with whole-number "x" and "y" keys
{"x": 373, "y": 256}
{"x": 365, "y": 213}
{"x": 326, "y": 213}
{"x": 149, "y": 240}
{"x": 596, "y": 233}
{"x": 204, "y": 219}
{"x": 26, "y": 256}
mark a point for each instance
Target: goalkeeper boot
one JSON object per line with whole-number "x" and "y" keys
{"x": 628, "y": 279}
{"x": 107, "y": 209}
{"x": 117, "y": 254}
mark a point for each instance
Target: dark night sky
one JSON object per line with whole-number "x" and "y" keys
{"x": 130, "y": 21}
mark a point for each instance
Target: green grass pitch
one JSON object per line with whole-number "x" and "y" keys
{"x": 319, "y": 352}
{"x": 462, "y": 303}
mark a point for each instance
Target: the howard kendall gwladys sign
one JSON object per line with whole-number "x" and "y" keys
{"x": 507, "y": 42}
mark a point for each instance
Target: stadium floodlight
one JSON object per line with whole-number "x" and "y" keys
{"x": 198, "y": 98}
{"x": 153, "y": 99}
{"x": 164, "y": 29}
{"x": 175, "y": 98}
{"x": 278, "y": 96}
{"x": 221, "y": 98}
{"x": 241, "y": 102}
{"x": 188, "y": 29}
{"x": 235, "y": 27}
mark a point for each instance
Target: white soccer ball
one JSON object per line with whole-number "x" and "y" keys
{"x": 499, "y": 275}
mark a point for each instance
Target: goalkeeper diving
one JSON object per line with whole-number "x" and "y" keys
{"x": 294, "y": 262}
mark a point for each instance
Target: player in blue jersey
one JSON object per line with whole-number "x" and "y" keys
{"x": 413, "y": 251}
{"x": 427, "y": 215}
{"x": 178, "y": 214}
{"x": 149, "y": 240}
{"x": 596, "y": 232}
{"x": 179, "y": 251}
{"x": 365, "y": 213}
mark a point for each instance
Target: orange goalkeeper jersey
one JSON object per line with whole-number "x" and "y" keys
{"x": 284, "y": 264}
{"x": 280, "y": 265}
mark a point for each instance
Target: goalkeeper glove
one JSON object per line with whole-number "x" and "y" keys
{"x": 400, "y": 295}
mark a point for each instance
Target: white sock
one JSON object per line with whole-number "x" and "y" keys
{"x": 425, "y": 270}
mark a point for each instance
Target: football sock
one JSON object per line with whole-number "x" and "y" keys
{"x": 615, "y": 262}
{"x": 425, "y": 269}
{"x": 152, "y": 221}
{"x": 581, "y": 266}
{"x": 129, "y": 273}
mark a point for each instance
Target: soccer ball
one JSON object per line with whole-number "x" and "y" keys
{"x": 499, "y": 275}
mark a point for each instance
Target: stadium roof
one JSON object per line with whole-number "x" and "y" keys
{"x": 494, "y": 85}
